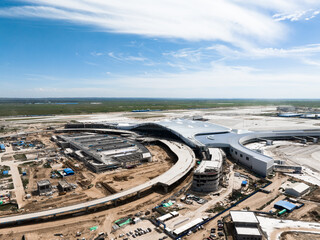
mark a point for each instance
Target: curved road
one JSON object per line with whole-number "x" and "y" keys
{"x": 186, "y": 161}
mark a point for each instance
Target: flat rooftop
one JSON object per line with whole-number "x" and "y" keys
{"x": 299, "y": 187}
{"x": 44, "y": 182}
{"x": 105, "y": 149}
{"x": 243, "y": 217}
{"x": 64, "y": 184}
{"x": 207, "y": 166}
{"x": 187, "y": 226}
{"x": 215, "y": 153}
{"x": 250, "y": 231}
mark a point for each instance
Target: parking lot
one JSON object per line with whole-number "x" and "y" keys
{"x": 141, "y": 231}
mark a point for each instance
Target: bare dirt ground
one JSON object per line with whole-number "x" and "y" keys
{"x": 104, "y": 220}
{"x": 299, "y": 236}
{"x": 313, "y": 196}
{"x": 310, "y": 212}
{"x": 42, "y": 231}
{"x": 120, "y": 179}
{"x": 260, "y": 200}
{"x": 123, "y": 179}
{"x": 162, "y": 161}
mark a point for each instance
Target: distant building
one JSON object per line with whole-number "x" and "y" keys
{"x": 297, "y": 189}
{"x": 44, "y": 186}
{"x": 289, "y": 114}
{"x": 246, "y": 225}
{"x": 310, "y": 115}
{"x": 286, "y": 108}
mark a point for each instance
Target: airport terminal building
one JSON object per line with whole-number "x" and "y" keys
{"x": 204, "y": 135}
{"x": 201, "y": 136}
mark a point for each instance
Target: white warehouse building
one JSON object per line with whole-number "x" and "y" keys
{"x": 246, "y": 225}
{"x": 297, "y": 189}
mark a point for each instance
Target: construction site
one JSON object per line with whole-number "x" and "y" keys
{"x": 52, "y": 176}
{"x": 103, "y": 152}
{"x": 171, "y": 178}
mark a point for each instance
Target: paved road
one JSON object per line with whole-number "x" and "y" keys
{"x": 17, "y": 183}
{"x": 186, "y": 161}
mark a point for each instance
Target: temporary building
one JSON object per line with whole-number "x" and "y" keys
{"x": 2, "y": 147}
{"x": 244, "y": 182}
{"x": 187, "y": 226}
{"x": 285, "y": 205}
{"x": 68, "y": 171}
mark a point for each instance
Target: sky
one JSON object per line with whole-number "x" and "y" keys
{"x": 160, "y": 48}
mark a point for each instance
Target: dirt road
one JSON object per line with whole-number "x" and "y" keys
{"x": 17, "y": 183}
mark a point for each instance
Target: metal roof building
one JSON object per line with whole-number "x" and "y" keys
{"x": 285, "y": 205}
{"x": 187, "y": 226}
{"x": 297, "y": 189}
{"x": 247, "y": 233}
{"x": 244, "y": 217}
{"x": 246, "y": 225}
{"x": 202, "y": 135}
{"x": 68, "y": 171}
{"x": 185, "y": 129}
{"x": 289, "y": 114}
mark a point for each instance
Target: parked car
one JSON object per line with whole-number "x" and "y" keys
{"x": 221, "y": 234}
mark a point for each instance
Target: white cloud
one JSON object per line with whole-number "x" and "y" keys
{"x": 123, "y": 57}
{"x": 225, "y": 20}
{"x": 296, "y": 16}
{"x": 223, "y": 52}
{"x": 282, "y": 5}
{"x": 97, "y": 54}
{"x": 226, "y": 82}
{"x": 219, "y": 81}
{"x": 300, "y": 51}
{"x": 241, "y": 29}
{"x": 193, "y": 55}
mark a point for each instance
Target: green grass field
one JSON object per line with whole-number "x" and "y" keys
{"x": 36, "y": 107}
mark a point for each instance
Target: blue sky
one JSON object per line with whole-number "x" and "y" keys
{"x": 160, "y": 48}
